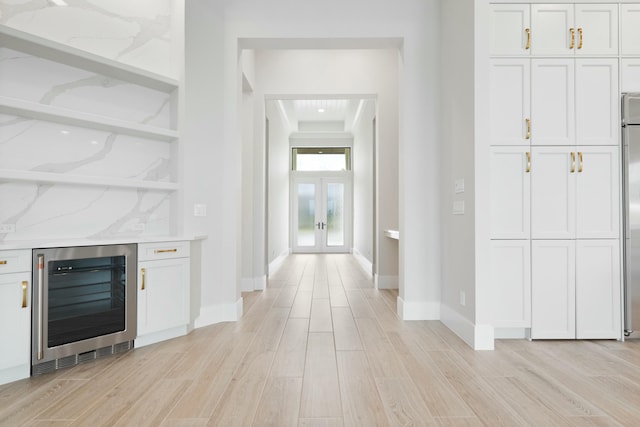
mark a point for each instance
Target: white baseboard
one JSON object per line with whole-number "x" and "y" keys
{"x": 14, "y": 374}
{"x": 418, "y": 310}
{"x": 478, "y": 337}
{"x": 363, "y": 261}
{"x": 385, "y": 282}
{"x": 212, "y": 314}
{"x": 250, "y": 284}
{"x": 159, "y": 336}
{"x": 511, "y": 333}
{"x": 277, "y": 263}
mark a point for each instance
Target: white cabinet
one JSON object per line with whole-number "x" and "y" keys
{"x": 630, "y": 75}
{"x": 511, "y": 283}
{"x": 575, "y": 194}
{"x": 630, "y": 29}
{"x": 163, "y": 291}
{"x": 598, "y": 296}
{"x": 597, "y": 101}
{"x": 553, "y": 289}
{"x": 15, "y": 315}
{"x": 510, "y": 101}
{"x": 510, "y": 192}
{"x": 565, "y": 29}
{"x": 510, "y": 29}
{"x": 552, "y": 102}
{"x": 575, "y": 289}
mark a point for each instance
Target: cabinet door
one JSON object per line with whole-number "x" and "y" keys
{"x": 553, "y": 177}
{"x": 630, "y": 29}
{"x": 598, "y": 289}
{"x": 511, "y": 283}
{"x": 552, "y": 102}
{"x": 15, "y": 322}
{"x": 510, "y": 101}
{"x": 163, "y": 294}
{"x": 509, "y": 29}
{"x": 596, "y": 29}
{"x": 597, "y": 102}
{"x": 598, "y": 193}
{"x": 630, "y": 72}
{"x": 553, "y": 289}
{"x": 510, "y": 193}
{"x": 550, "y": 29}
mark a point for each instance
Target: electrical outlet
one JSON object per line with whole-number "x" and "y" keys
{"x": 199, "y": 209}
{"x": 7, "y": 228}
{"x": 463, "y": 298}
{"x": 137, "y": 226}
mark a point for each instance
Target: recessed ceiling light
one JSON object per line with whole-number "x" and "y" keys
{"x": 94, "y": 142}
{"x": 59, "y": 2}
{"x": 65, "y": 132}
{"x": 320, "y": 110}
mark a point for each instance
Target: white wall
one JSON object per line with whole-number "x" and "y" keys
{"x": 278, "y": 157}
{"x": 458, "y": 156}
{"x": 362, "y": 162}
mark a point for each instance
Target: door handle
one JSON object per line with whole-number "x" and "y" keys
{"x": 528, "y": 162}
{"x": 24, "y": 293}
{"x": 40, "y": 325}
{"x": 528, "y": 45}
{"x": 323, "y": 225}
{"x": 579, "y": 38}
{"x": 318, "y": 225}
{"x": 528, "y": 136}
{"x": 143, "y": 272}
{"x": 573, "y": 162}
{"x": 579, "y": 161}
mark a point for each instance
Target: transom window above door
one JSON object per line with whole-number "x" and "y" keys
{"x": 310, "y": 159}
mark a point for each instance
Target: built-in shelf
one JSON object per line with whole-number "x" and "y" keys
{"x": 58, "y": 178}
{"x": 392, "y": 234}
{"x": 57, "y": 52}
{"x": 37, "y": 111}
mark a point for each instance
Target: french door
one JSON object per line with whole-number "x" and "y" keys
{"x": 321, "y": 214}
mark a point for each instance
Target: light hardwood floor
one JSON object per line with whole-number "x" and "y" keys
{"x": 322, "y": 347}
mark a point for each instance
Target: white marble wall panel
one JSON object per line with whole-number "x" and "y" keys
{"x": 62, "y": 211}
{"x": 39, "y": 146}
{"x": 46, "y": 82}
{"x": 136, "y": 32}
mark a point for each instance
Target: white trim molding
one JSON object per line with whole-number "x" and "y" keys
{"x": 386, "y": 282}
{"x": 365, "y": 264}
{"x": 250, "y": 284}
{"x": 418, "y": 310}
{"x": 217, "y": 313}
{"x": 277, "y": 263}
{"x": 478, "y": 337}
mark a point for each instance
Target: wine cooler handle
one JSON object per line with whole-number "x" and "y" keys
{"x": 40, "y": 304}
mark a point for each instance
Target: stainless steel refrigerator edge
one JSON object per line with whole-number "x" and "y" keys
{"x": 631, "y": 186}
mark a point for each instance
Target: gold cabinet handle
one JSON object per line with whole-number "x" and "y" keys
{"x": 24, "y": 293}
{"x": 528, "y": 162}
{"x": 3, "y": 262}
{"x": 573, "y": 162}
{"x": 163, "y": 251}
{"x": 573, "y": 38}
{"x": 528, "y": 136}
{"x": 579, "y": 38}
{"x": 579, "y": 161}
{"x": 143, "y": 271}
{"x": 528, "y": 45}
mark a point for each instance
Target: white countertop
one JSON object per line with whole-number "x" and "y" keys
{"x": 392, "y": 234}
{"x": 59, "y": 243}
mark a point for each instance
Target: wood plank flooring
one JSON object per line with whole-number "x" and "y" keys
{"x": 321, "y": 347}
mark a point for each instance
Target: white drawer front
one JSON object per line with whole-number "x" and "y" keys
{"x": 15, "y": 261}
{"x": 162, "y": 250}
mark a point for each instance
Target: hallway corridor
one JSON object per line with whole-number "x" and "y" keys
{"x": 321, "y": 347}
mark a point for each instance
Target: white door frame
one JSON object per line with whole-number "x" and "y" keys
{"x": 324, "y": 177}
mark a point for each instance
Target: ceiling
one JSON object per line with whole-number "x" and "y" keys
{"x": 317, "y": 111}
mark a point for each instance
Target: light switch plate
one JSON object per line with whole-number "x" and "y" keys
{"x": 199, "y": 209}
{"x": 458, "y": 207}
{"x": 459, "y": 186}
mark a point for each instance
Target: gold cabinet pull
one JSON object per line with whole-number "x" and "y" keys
{"x": 164, "y": 251}
{"x": 528, "y": 162}
{"x": 3, "y": 262}
{"x": 143, "y": 271}
{"x": 579, "y": 161}
{"x": 528, "y": 45}
{"x": 579, "y": 38}
{"x": 573, "y": 38}
{"x": 573, "y": 162}
{"x": 528, "y": 136}
{"x": 24, "y": 293}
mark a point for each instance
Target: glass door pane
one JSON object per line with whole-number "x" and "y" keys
{"x": 306, "y": 194}
{"x": 335, "y": 214}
